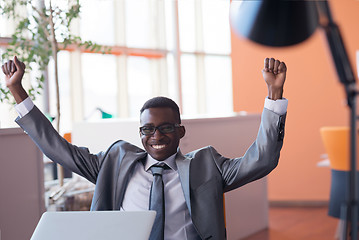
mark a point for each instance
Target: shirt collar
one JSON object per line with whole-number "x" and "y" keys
{"x": 170, "y": 161}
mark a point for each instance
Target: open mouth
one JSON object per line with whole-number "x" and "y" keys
{"x": 158, "y": 146}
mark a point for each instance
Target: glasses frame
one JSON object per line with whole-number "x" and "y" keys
{"x": 175, "y": 125}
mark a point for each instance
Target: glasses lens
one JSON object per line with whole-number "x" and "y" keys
{"x": 167, "y": 128}
{"x": 148, "y": 130}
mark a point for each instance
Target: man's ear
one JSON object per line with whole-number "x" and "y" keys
{"x": 182, "y": 131}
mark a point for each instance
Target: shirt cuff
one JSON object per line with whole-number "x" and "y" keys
{"x": 278, "y": 106}
{"x": 24, "y": 107}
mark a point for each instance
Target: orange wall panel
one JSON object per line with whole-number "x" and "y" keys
{"x": 316, "y": 99}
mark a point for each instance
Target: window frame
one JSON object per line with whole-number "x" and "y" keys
{"x": 122, "y": 53}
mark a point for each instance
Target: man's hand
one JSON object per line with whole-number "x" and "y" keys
{"x": 14, "y": 71}
{"x": 274, "y": 73}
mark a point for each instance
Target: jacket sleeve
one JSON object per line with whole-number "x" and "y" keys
{"x": 260, "y": 158}
{"x": 55, "y": 147}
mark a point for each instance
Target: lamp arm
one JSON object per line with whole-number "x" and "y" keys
{"x": 339, "y": 54}
{"x": 337, "y": 49}
{"x": 341, "y": 61}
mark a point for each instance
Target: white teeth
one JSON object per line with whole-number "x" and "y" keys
{"x": 158, "y": 146}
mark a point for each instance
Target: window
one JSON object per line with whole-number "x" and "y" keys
{"x": 175, "y": 48}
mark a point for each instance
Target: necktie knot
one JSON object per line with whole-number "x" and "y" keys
{"x": 158, "y": 169}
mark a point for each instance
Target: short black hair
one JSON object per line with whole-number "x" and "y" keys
{"x": 162, "y": 102}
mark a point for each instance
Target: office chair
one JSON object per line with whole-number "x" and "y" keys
{"x": 336, "y": 143}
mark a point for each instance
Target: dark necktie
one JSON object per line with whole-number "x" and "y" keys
{"x": 157, "y": 202}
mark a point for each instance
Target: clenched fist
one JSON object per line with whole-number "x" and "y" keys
{"x": 14, "y": 71}
{"x": 274, "y": 74}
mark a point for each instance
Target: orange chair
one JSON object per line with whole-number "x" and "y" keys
{"x": 336, "y": 143}
{"x": 68, "y": 137}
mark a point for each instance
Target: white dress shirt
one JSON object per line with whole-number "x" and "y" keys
{"x": 178, "y": 223}
{"x": 24, "y": 107}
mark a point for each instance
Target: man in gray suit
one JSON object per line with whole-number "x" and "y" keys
{"x": 194, "y": 183}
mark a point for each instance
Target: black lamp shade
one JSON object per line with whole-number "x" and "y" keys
{"x": 274, "y": 22}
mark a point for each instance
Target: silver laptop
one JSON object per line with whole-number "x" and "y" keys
{"x": 96, "y": 225}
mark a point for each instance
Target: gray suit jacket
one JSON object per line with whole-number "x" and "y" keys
{"x": 204, "y": 174}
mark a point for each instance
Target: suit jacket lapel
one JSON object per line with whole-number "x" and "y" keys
{"x": 183, "y": 165}
{"x": 126, "y": 167}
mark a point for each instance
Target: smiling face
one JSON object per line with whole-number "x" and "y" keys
{"x": 161, "y": 146}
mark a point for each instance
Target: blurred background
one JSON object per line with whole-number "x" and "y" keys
{"x": 186, "y": 50}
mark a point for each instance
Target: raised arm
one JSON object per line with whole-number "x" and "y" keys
{"x": 263, "y": 155}
{"x": 76, "y": 159}
{"x": 14, "y": 71}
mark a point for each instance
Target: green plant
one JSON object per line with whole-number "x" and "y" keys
{"x": 39, "y": 35}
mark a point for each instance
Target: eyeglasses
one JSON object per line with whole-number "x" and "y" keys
{"x": 164, "y": 129}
